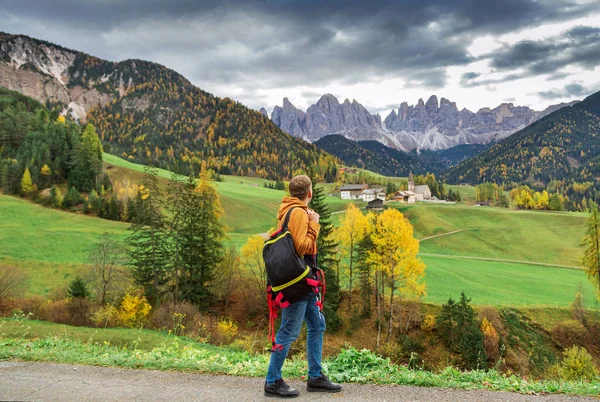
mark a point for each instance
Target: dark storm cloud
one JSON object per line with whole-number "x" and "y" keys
{"x": 264, "y": 44}
{"x": 569, "y": 91}
{"x": 579, "y": 46}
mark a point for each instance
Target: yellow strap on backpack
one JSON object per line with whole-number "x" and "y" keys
{"x": 290, "y": 283}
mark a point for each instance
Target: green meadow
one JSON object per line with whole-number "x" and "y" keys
{"x": 53, "y": 245}
{"x": 250, "y": 208}
{"x": 505, "y": 284}
{"x": 500, "y": 233}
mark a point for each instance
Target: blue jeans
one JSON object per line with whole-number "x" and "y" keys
{"x": 291, "y": 323}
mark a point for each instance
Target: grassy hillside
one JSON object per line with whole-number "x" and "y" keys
{"x": 250, "y": 208}
{"x": 495, "y": 233}
{"x": 52, "y": 245}
{"x": 546, "y": 237}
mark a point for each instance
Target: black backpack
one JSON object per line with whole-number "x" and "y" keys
{"x": 289, "y": 277}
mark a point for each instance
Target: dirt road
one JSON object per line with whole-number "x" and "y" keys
{"x": 30, "y": 381}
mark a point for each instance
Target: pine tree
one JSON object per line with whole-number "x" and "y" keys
{"x": 113, "y": 211}
{"x": 196, "y": 234}
{"x": 86, "y": 160}
{"x": 365, "y": 245}
{"x": 461, "y": 332}
{"x": 72, "y": 198}
{"x": 78, "y": 289}
{"x": 148, "y": 240}
{"x": 591, "y": 241}
{"x": 326, "y": 254}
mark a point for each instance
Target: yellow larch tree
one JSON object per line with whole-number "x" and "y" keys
{"x": 26, "y": 184}
{"x": 395, "y": 253}
{"x": 353, "y": 226}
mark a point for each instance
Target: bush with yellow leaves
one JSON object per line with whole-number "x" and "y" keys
{"x": 577, "y": 365}
{"x": 107, "y": 316}
{"x": 224, "y": 333}
{"x": 490, "y": 340}
{"x": 134, "y": 311}
{"x": 428, "y": 323}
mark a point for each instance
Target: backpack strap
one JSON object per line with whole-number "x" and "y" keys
{"x": 286, "y": 221}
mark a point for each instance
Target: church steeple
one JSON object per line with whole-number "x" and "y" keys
{"x": 411, "y": 182}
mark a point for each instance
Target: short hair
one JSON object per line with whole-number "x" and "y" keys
{"x": 299, "y": 186}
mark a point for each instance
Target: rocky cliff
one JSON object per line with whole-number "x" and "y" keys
{"x": 433, "y": 125}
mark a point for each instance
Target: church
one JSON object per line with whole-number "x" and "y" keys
{"x": 421, "y": 192}
{"x": 414, "y": 193}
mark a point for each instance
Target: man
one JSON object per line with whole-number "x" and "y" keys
{"x": 304, "y": 228}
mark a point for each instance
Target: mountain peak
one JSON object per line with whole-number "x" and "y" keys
{"x": 328, "y": 98}
{"x": 432, "y": 101}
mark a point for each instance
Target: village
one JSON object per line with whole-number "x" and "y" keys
{"x": 376, "y": 196}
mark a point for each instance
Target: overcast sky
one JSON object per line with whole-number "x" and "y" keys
{"x": 476, "y": 53}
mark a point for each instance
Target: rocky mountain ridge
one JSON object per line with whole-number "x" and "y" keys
{"x": 431, "y": 125}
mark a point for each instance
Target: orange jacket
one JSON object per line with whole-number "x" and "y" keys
{"x": 303, "y": 231}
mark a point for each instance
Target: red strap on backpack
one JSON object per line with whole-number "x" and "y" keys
{"x": 323, "y": 285}
{"x": 274, "y": 304}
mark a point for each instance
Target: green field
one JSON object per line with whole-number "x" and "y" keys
{"x": 505, "y": 284}
{"x": 52, "y": 245}
{"x": 545, "y": 237}
{"x": 33, "y": 232}
{"x": 250, "y": 208}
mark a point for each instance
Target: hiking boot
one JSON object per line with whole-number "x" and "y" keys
{"x": 280, "y": 389}
{"x": 322, "y": 384}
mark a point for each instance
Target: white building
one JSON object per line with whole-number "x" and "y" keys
{"x": 352, "y": 191}
{"x": 371, "y": 194}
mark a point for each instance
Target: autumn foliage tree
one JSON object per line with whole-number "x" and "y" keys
{"x": 26, "y": 184}
{"x": 395, "y": 256}
{"x": 353, "y": 225}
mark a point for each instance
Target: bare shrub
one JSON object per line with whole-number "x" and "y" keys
{"x": 54, "y": 311}
{"x": 31, "y": 305}
{"x": 569, "y": 333}
{"x": 410, "y": 315}
{"x": 79, "y": 309}
{"x": 13, "y": 281}
{"x": 179, "y": 318}
{"x": 107, "y": 276}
